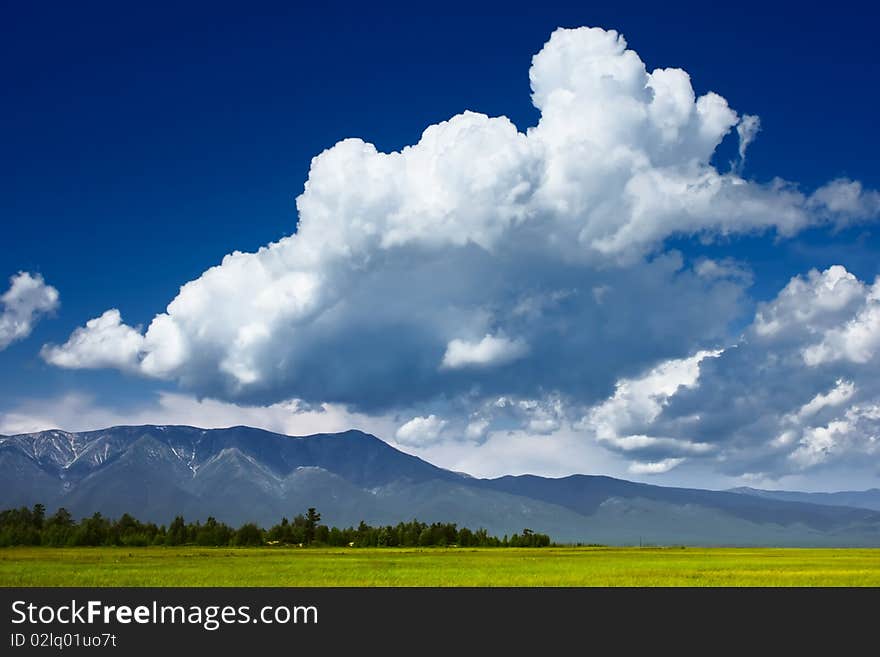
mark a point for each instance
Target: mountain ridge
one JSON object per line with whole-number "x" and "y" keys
{"x": 864, "y": 499}
{"x": 240, "y": 474}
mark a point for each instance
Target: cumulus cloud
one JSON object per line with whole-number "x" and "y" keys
{"x": 476, "y": 428}
{"x": 485, "y": 263}
{"x": 857, "y": 340}
{"x": 23, "y": 305}
{"x": 489, "y": 351}
{"x": 103, "y": 342}
{"x": 622, "y": 422}
{"x": 420, "y": 430}
{"x": 798, "y": 392}
{"x": 811, "y": 302}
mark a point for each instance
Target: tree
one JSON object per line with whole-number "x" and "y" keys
{"x": 38, "y": 515}
{"x": 91, "y": 531}
{"x": 59, "y": 528}
{"x": 176, "y": 532}
{"x": 61, "y": 518}
{"x": 249, "y": 534}
{"x": 312, "y": 520}
{"x": 335, "y": 537}
{"x": 30, "y": 526}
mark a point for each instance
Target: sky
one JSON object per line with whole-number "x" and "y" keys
{"x": 638, "y": 240}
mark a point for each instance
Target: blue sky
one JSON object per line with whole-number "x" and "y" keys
{"x": 143, "y": 145}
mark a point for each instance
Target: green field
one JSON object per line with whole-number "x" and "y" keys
{"x": 191, "y": 566}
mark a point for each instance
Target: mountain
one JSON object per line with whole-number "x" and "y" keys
{"x": 243, "y": 474}
{"x": 860, "y": 499}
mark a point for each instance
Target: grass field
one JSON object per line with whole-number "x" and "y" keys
{"x": 190, "y": 566}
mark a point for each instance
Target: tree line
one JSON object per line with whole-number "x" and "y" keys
{"x": 32, "y": 526}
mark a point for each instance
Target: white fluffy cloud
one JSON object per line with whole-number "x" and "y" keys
{"x": 420, "y": 430}
{"x": 857, "y": 340}
{"x": 856, "y": 434}
{"x": 491, "y": 350}
{"x": 798, "y": 391}
{"x": 624, "y": 421}
{"x": 104, "y": 342}
{"x": 23, "y": 305}
{"x": 486, "y": 263}
{"x": 808, "y": 304}
{"x": 391, "y": 248}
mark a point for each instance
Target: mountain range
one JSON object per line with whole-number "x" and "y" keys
{"x": 244, "y": 474}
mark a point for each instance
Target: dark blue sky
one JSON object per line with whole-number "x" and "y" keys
{"x": 141, "y": 144}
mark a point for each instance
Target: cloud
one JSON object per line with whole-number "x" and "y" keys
{"x": 420, "y": 430}
{"x": 726, "y": 268}
{"x": 488, "y": 352}
{"x": 104, "y": 342}
{"x": 857, "y": 340}
{"x": 622, "y": 422}
{"x": 747, "y": 129}
{"x": 845, "y": 201}
{"x": 798, "y": 392}
{"x": 485, "y": 262}
{"x": 519, "y": 451}
{"x": 23, "y": 305}
{"x": 476, "y": 429}
{"x": 807, "y": 304}
{"x": 654, "y": 467}
{"x": 80, "y": 412}
{"x": 841, "y": 393}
